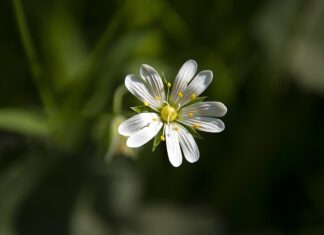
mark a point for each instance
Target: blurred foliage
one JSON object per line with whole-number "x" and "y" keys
{"x": 65, "y": 170}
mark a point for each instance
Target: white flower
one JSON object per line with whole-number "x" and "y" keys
{"x": 172, "y": 117}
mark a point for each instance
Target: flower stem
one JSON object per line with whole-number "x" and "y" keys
{"x": 118, "y": 99}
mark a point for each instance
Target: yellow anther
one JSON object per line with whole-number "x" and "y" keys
{"x": 180, "y": 94}
{"x": 191, "y": 114}
{"x": 193, "y": 96}
{"x": 154, "y": 119}
{"x": 175, "y": 128}
{"x": 162, "y": 138}
{"x": 169, "y": 84}
{"x": 146, "y": 104}
{"x": 158, "y": 98}
{"x": 196, "y": 126}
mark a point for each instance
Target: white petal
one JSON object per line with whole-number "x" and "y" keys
{"x": 197, "y": 86}
{"x": 188, "y": 145}
{"x": 140, "y": 90}
{"x": 181, "y": 81}
{"x": 136, "y": 123}
{"x": 173, "y": 146}
{"x": 205, "y": 109}
{"x": 154, "y": 81}
{"x": 144, "y": 135}
{"x": 207, "y": 124}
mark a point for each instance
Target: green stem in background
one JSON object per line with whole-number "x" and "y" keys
{"x": 101, "y": 46}
{"x": 27, "y": 41}
{"x": 116, "y": 121}
{"x": 118, "y": 99}
{"x": 35, "y": 65}
{"x": 104, "y": 41}
{"x": 95, "y": 59}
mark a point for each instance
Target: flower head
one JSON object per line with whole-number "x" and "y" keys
{"x": 173, "y": 117}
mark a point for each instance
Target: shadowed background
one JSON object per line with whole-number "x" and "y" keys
{"x": 65, "y": 170}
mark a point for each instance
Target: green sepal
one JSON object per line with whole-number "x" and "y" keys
{"x": 198, "y": 99}
{"x": 141, "y": 109}
{"x": 164, "y": 79}
{"x": 193, "y": 132}
{"x": 157, "y": 139}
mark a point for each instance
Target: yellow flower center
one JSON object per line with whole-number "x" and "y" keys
{"x": 168, "y": 113}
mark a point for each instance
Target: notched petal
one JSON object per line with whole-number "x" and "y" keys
{"x": 173, "y": 145}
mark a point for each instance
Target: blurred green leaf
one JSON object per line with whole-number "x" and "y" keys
{"x": 120, "y": 51}
{"x": 198, "y": 99}
{"x": 24, "y": 122}
{"x": 65, "y": 52}
{"x": 297, "y": 46}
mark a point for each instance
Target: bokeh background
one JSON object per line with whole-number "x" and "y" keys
{"x": 65, "y": 170}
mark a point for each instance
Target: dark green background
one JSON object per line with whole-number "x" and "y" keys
{"x": 61, "y": 63}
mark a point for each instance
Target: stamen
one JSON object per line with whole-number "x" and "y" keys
{"x": 179, "y": 106}
{"x": 191, "y": 114}
{"x": 175, "y": 128}
{"x": 180, "y": 94}
{"x": 146, "y": 104}
{"x": 169, "y": 118}
{"x": 158, "y": 98}
{"x": 168, "y": 90}
{"x": 162, "y": 138}
{"x": 166, "y": 102}
{"x": 196, "y": 126}
{"x": 193, "y": 96}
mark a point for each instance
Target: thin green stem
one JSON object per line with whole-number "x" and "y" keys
{"x": 35, "y": 65}
{"x": 118, "y": 99}
{"x": 100, "y": 48}
{"x": 26, "y": 40}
